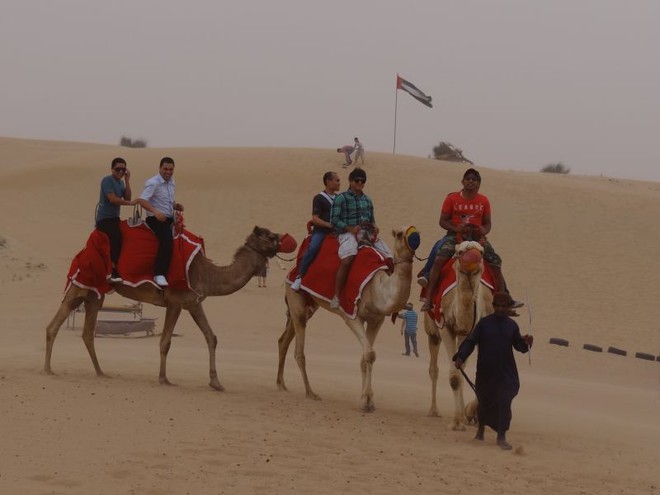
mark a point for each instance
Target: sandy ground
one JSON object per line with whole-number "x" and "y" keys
{"x": 582, "y": 250}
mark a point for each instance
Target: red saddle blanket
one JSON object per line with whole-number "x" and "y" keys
{"x": 319, "y": 280}
{"x": 448, "y": 282}
{"x": 91, "y": 267}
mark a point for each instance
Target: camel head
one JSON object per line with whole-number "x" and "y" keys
{"x": 406, "y": 242}
{"x": 469, "y": 257}
{"x": 267, "y": 243}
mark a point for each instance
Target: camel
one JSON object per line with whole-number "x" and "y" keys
{"x": 205, "y": 278}
{"x": 462, "y": 307}
{"x": 383, "y": 295}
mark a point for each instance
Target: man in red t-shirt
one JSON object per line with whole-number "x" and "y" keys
{"x": 461, "y": 210}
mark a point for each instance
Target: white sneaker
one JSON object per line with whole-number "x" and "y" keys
{"x": 334, "y": 304}
{"x": 296, "y": 284}
{"x": 160, "y": 280}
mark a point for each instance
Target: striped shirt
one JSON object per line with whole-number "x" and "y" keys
{"x": 349, "y": 210}
{"x": 410, "y": 318}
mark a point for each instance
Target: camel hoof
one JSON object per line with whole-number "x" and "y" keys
{"x": 313, "y": 396}
{"x": 433, "y": 413}
{"x": 368, "y": 407}
{"x": 164, "y": 381}
{"x": 282, "y": 387}
{"x": 457, "y": 426}
{"x": 217, "y": 386}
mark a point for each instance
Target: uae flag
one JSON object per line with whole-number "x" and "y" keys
{"x": 413, "y": 91}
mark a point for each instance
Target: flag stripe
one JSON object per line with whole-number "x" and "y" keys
{"x": 413, "y": 91}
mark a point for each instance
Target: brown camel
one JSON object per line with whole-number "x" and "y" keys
{"x": 205, "y": 278}
{"x": 383, "y": 295}
{"x": 462, "y": 307}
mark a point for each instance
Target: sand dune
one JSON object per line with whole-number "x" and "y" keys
{"x": 582, "y": 250}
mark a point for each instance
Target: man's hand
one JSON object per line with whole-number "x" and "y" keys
{"x": 127, "y": 175}
{"x": 178, "y": 206}
{"x": 458, "y": 362}
{"x": 353, "y": 230}
{"x": 460, "y": 228}
{"x": 529, "y": 340}
{"x": 160, "y": 216}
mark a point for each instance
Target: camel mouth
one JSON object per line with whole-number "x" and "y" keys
{"x": 412, "y": 238}
{"x": 287, "y": 244}
{"x": 470, "y": 260}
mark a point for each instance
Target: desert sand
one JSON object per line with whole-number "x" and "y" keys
{"x": 583, "y": 251}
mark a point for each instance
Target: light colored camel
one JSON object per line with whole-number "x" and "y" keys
{"x": 462, "y": 307}
{"x": 205, "y": 278}
{"x": 383, "y": 295}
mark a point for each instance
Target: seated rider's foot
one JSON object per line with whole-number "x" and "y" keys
{"x": 160, "y": 280}
{"x": 427, "y": 306}
{"x": 115, "y": 278}
{"x": 334, "y": 304}
{"x": 517, "y": 304}
{"x": 513, "y": 313}
{"x": 423, "y": 281}
{"x": 296, "y": 284}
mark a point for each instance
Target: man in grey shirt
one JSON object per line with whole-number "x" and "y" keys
{"x": 158, "y": 199}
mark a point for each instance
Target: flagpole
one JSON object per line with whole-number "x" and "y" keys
{"x": 396, "y": 96}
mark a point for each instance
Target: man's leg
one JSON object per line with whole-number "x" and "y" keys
{"x": 434, "y": 280}
{"x": 406, "y": 342}
{"x": 340, "y": 279}
{"x": 423, "y": 275}
{"x": 163, "y": 231}
{"x": 413, "y": 339}
{"x": 110, "y": 226}
{"x": 312, "y": 250}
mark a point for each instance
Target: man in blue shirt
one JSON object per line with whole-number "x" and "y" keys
{"x": 409, "y": 329}
{"x": 115, "y": 192}
{"x": 158, "y": 199}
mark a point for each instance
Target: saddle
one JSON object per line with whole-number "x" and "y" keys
{"x": 319, "y": 281}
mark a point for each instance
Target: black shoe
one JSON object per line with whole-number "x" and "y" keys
{"x": 517, "y": 304}
{"x": 115, "y": 278}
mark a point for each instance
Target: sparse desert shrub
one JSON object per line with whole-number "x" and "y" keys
{"x": 132, "y": 143}
{"x": 447, "y": 151}
{"x": 556, "y": 168}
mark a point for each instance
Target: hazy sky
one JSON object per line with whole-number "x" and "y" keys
{"x": 515, "y": 84}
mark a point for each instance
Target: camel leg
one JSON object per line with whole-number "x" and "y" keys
{"x": 92, "y": 306}
{"x": 197, "y": 313}
{"x": 366, "y": 366}
{"x": 172, "y": 313}
{"x": 299, "y": 321}
{"x": 434, "y": 350}
{"x": 71, "y": 301}
{"x": 455, "y": 379}
{"x": 283, "y": 345}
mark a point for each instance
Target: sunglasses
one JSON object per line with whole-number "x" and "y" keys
{"x": 120, "y": 169}
{"x": 363, "y": 181}
{"x": 474, "y": 179}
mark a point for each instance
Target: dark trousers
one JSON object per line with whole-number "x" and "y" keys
{"x": 408, "y": 339}
{"x": 110, "y": 227}
{"x": 163, "y": 231}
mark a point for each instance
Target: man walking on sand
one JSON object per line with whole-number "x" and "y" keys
{"x": 497, "y": 382}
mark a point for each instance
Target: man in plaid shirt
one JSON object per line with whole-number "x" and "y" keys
{"x": 350, "y": 211}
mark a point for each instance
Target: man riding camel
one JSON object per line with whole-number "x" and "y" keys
{"x": 463, "y": 211}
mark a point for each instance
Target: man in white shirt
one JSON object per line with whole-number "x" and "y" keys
{"x": 158, "y": 199}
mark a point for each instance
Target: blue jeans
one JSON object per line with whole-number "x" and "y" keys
{"x": 432, "y": 255}
{"x": 312, "y": 250}
{"x": 408, "y": 339}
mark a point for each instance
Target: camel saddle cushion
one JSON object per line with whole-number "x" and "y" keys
{"x": 448, "y": 283}
{"x": 319, "y": 281}
{"x": 91, "y": 267}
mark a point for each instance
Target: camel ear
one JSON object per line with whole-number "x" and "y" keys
{"x": 397, "y": 233}
{"x": 256, "y": 230}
